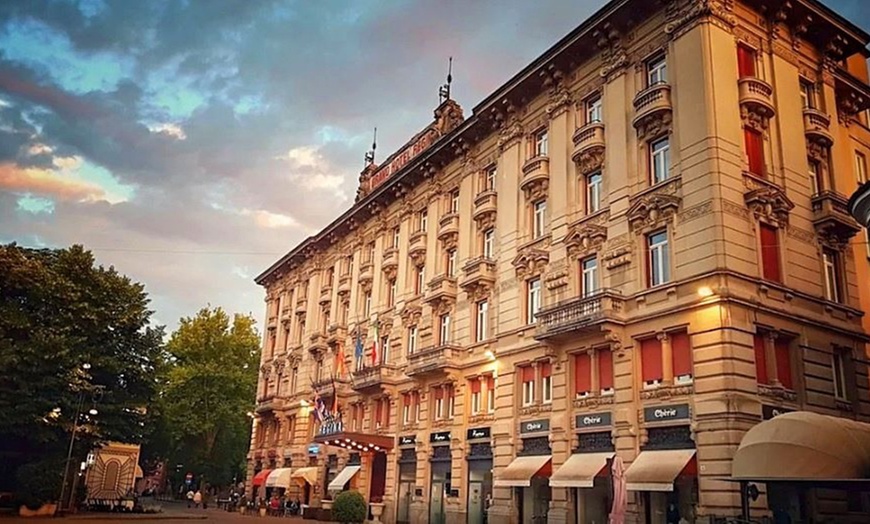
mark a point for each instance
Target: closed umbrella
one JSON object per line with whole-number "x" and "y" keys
{"x": 620, "y": 500}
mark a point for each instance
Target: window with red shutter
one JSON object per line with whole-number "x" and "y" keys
{"x": 681, "y": 348}
{"x": 769, "y": 253}
{"x": 754, "y": 144}
{"x": 546, "y": 370}
{"x": 760, "y": 360}
{"x": 490, "y": 383}
{"x": 745, "y": 61}
{"x": 439, "y": 392}
{"x": 605, "y": 369}
{"x": 582, "y": 374}
{"x": 378, "y": 411}
{"x": 475, "y": 385}
{"x": 651, "y": 359}
{"x": 528, "y": 374}
{"x": 783, "y": 362}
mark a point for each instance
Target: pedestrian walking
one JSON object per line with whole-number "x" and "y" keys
{"x": 197, "y": 498}
{"x": 190, "y": 496}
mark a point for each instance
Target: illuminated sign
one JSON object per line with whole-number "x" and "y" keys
{"x": 407, "y": 440}
{"x": 401, "y": 158}
{"x": 443, "y": 436}
{"x": 660, "y": 413}
{"x": 593, "y": 420}
{"x": 475, "y": 433}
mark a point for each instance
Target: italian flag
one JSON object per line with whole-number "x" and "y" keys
{"x": 376, "y": 340}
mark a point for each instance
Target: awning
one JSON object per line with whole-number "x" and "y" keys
{"x": 356, "y": 442}
{"x": 303, "y": 475}
{"x": 138, "y": 473}
{"x": 580, "y": 470}
{"x": 279, "y": 478}
{"x": 342, "y": 478}
{"x": 260, "y": 478}
{"x": 804, "y": 446}
{"x": 657, "y": 470}
{"x": 519, "y": 473}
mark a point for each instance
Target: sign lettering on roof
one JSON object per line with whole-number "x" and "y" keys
{"x": 401, "y": 158}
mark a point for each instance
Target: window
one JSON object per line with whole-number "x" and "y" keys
{"x": 444, "y": 333}
{"x": 454, "y": 201}
{"x": 593, "y": 109}
{"x": 781, "y": 364}
{"x": 754, "y": 143}
{"x": 533, "y": 299}
{"x": 291, "y": 428}
{"x": 318, "y": 370}
{"x": 838, "y": 370}
{"x": 420, "y": 281}
{"x": 330, "y": 276}
{"x": 481, "y": 331}
{"x": 745, "y": 61}
{"x": 539, "y": 218}
{"x": 527, "y": 375}
{"x": 656, "y": 71}
{"x": 582, "y": 375}
{"x": 770, "y": 268}
{"x": 658, "y": 270}
{"x": 593, "y": 192}
{"x": 415, "y": 405}
{"x": 367, "y": 304}
{"x": 396, "y": 237}
{"x": 830, "y": 259}
{"x": 488, "y": 242}
{"x": 489, "y": 179}
{"x": 681, "y": 355}
{"x": 348, "y": 265}
{"x": 392, "y": 289}
{"x": 860, "y": 167}
{"x": 412, "y": 340}
{"x": 385, "y": 350}
{"x": 541, "y": 143}
{"x": 546, "y": 383}
{"x": 370, "y": 252}
{"x": 438, "y": 408}
{"x": 451, "y": 262}
{"x": 324, "y": 320}
{"x": 343, "y": 311}
{"x": 651, "y": 362}
{"x": 474, "y": 387}
{"x": 406, "y": 408}
{"x": 808, "y": 94}
{"x": 659, "y": 159}
{"x": 490, "y": 394}
{"x": 294, "y": 377}
{"x": 815, "y": 171}
{"x": 423, "y": 220}
{"x": 605, "y": 371}
{"x": 301, "y": 331}
{"x": 782, "y": 352}
{"x": 589, "y": 274}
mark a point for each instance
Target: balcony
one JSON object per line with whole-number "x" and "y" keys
{"x": 580, "y": 314}
{"x": 325, "y": 295}
{"x": 328, "y": 387}
{"x": 756, "y": 96}
{"x": 587, "y": 139}
{"x": 286, "y": 313}
{"x": 536, "y": 177}
{"x": 816, "y": 127}
{"x": 485, "y": 205}
{"x": 831, "y": 217}
{"x": 268, "y": 403}
{"x": 390, "y": 263}
{"x": 272, "y": 322}
{"x": 479, "y": 275}
{"x": 441, "y": 287}
{"x": 417, "y": 247}
{"x": 433, "y": 360}
{"x": 652, "y": 104}
{"x": 344, "y": 285}
{"x": 372, "y": 379}
{"x": 336, "y": 334}
{"x": 448, "y": 228}
{"x": 317, "y": 343}
{"x": 301, "y": 304}
{"x": 366, "y": 272}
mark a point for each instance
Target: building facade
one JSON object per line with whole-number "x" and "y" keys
{"x": 637, "y": 248}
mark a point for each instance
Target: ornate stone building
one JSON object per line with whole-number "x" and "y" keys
{"x": 636, "y": 248}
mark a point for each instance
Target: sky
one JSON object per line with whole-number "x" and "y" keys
{"x": 191, "y": 143}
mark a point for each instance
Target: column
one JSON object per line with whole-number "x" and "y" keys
{"x": 770, "y": 357}
{"x": 667, "y": 359}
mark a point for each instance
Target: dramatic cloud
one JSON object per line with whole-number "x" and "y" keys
{"x": 191, "y": 144}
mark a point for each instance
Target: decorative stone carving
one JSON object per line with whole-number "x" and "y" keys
{"x": 590, "y": 160}
{"x": 511, "y": 131}
{"x": 585, "y": 238}
{"x": 531, "y": 262}
{"x": 613, "y": 55}
{"x": 770, "y": 203}
{"x": 654, "y": 125}
{"x": 411, "y": 315}
{"x": 681, "y": 14}
{"x": 666, "y": 392}
{"x": 654, "y": 208}
{"x": 593, "y": 401}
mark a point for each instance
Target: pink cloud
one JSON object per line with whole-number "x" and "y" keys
{"x": 47, "y": 183}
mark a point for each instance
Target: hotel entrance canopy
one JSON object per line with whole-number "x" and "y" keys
{"x": 334, "y": 434}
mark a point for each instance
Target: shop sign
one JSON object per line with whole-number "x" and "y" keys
{"x": 666, "y": 413}
{"x": 535, "y": 426}
{"x": 476, "y": 433}
{"x": 313, "y": 449}
{"x": 769, "y": 412}
{"x": 402, "y": 157}
{"x": 594, "y": 420}
{"x": 407, "y": 440}
{"x": 439, "y": 438}
{"x": 330, "y": 427}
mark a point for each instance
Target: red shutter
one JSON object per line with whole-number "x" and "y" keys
{"x": 546, "y": 370}
{"x": 407, "y": 399}
{"x": 528, "y": 374}
{"x": 783, "y": 362}
{"x": 475, "y": 385}
{"x": 745, "y": 61}
{"x": 754, "y": 144}
{"x": 582, "y": 373}
{"x": 760, "y": 360}
{"x": 770, "y": 253}
{"x": 651, "y": 359}
{"x": 490, "y": 383}
{"x": 439, "y": 393}
{"x": 605, "y": 369}
{"x": 682, "y": 351}
{"x": 377, "y": 411}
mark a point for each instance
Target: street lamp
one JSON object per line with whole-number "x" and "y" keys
{"x": 96, "y": 393}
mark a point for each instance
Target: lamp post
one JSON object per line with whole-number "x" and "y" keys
{"x": 859, "y": 204}
{"x": 96, "y": 393}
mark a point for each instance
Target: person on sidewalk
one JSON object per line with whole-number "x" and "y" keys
{"x": 190, "y": 496}
{"x": 197, "y": 499}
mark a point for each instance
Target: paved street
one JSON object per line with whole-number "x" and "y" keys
{"x": 172, "y": 513}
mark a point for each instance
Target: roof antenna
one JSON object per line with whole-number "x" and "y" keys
{"x": 444, "y": 90}
{"x": 370, "y": 155}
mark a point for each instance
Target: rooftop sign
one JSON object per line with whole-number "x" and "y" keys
{"x": 402, "y": 157}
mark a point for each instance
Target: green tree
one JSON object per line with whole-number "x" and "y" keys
{"x": 58, "y": 311}
{"x": 208, "y": 390}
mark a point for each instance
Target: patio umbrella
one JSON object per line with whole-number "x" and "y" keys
{"x": 620, "y": 500}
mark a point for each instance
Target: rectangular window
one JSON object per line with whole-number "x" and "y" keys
{"x": 658, "y": 270}
{"x": 482, "y": 331}
{"x": 815, "y": 172}
{"x": 444, "y": 333}
{"x": 396, "y": 237}
{"x": 539, "y": 218}
{"x": 656, "y": 71}
{"x": 533, "y": 299}
{"x": 527, "y": 373}
{"x": 593, "y": 192}
{"x": 754, "y": 143}
{"x": 589, "y": 273}
{"x": 593, "y": 109}
{"x": 808, "y": 94}
{"x": 451, "y": 263}
{"x": 488, "y": 242}
{"x": 831, "y": 261}
{"x": 450, "y": 400}
{"x": 423, "y": 220}
{"x": 385, "y": 350}
{"x": 838, "y": 372}
{"x": 367, "y": 304}
{"x": 406, "y": 409}
{"x": 420, "y": 281}
{"x": 330, "y": 276}
{"x": 546, "y": 383}
{"x": 745, "y": 61}
{"x": 438, "y": 410}
{"x": 582, "y": 375}
{"x": 415, "y": 404}
{"x": 770, "y": 266}
{"x": 860, "y": 167}
{"x": 681, "y": 350}
{"x": 541, "y": 143}
{"x": 294, "y": 378}
{"x": 370, "y": 252}
{"x": 490, "y": 394}
{"x": 651, "y": 361}
{"x": 782, "y": 352}
{"x": 454, "y": 201}
{"x": 474, "y": 386}
{"x": 391, "y": 293}
{"x": 412, "y": 340}
{"x": 761, "y": 375}
{"x": 605, "y": 371}
{"x": 489, "y": 180}
{"x": 660, "y": 160}
{"x": 324, "y": 320}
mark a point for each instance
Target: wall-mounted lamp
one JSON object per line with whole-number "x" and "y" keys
{"x": 705, "y": 291}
